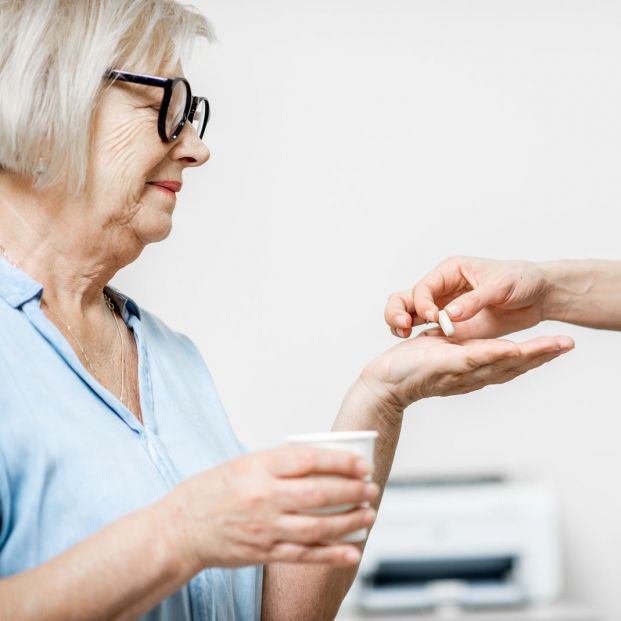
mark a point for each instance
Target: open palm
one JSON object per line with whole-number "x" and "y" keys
{"x": 429, "y": 366}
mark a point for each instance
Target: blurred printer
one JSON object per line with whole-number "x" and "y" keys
{"x": 471, "y": 542}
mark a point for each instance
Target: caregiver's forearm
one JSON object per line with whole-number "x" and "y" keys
{"x": 119, "y": 573}
{"x": 315, "y": 592}
{"x": 587, "y": 293}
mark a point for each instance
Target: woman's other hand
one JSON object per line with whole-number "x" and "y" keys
{"x": 484, "y": 298}
{"x": 246, "y": 511}
{"x": 430, "y": 366}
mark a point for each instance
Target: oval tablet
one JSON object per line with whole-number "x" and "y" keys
{"x": 445, "y": 323}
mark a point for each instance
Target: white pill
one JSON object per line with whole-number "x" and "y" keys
{"x": 428, "y": 326}
{"x": 446, "y": 324}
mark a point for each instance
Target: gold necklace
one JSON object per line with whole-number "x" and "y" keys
{"x": 110, "y": 306}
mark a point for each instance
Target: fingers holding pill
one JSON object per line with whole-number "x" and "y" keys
{"x": 437, "y": 288}
{"x": 484, "y": 298}
{"x": 398, "y": 314}
{"x": 457, "y": 312}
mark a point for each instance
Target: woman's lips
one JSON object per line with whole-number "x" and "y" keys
{"x": 170, "y": 187}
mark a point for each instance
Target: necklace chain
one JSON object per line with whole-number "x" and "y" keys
{"x": 110, "y": 306}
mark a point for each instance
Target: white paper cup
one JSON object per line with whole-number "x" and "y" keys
{"x": 361, "y": 443}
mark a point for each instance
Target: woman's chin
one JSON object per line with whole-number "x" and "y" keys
{"x": 156, "y": 229}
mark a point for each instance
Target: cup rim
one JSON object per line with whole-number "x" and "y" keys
{"x": 331, "y": 436}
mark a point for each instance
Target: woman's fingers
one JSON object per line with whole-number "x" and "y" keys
{"x": 324, "y": 491}
{"x": 538, "y": 353}
{"x": 467, "y": 356}
{"x": 532, "y": 363}
{"x": 483, "y": 352}
{"x": 547, "y": 347}
{"x": 492, "y": 374}
{"x": 533, "y": 354}
{"x": 541, "y": 344}
{"x": 286, "y": 552}
{"x": 498, "y": 374}
{"x": 313, "y": 529}
{"x": 300, "y": 461}
{"x": 434, "y": 366}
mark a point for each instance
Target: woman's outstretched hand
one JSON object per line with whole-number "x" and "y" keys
{"x": 484, "y": 298}
{"x": 430, "y": 366}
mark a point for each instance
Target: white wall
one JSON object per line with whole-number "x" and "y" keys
{"x": 356, "y": 143}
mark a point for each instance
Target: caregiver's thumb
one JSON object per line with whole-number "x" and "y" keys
{"x": 469, "y": 304}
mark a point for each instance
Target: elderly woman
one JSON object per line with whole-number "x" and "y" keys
{"x": 123, "y": 491}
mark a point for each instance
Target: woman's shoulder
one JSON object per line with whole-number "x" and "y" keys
{"x": 156, "y": 331}
{"x": 173, "y": 350}
{"x": 171, "y": 345}
{"x": 156, "y": 328}
{"x": 15, "y": 330}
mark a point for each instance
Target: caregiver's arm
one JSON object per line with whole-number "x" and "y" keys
{"x": 587, "y": 293}
{"x": 415, "y": 369}
{"x": 487, "y": 298}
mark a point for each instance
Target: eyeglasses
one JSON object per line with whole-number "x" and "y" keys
{"x": 178, "y": 105}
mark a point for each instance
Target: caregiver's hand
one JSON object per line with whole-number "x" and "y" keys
{"x": 430, "y": 366}
{"x": 244, "y": 512}
{"x": 484, "y": 298}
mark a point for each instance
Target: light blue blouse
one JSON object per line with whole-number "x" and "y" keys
{"x": 73, "y": 458}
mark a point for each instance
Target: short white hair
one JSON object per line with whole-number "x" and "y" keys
{"x": 53, "y": 56}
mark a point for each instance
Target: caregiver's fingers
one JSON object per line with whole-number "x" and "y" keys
{"x": 398, "y": 313}
{"x": 445, "y": 279}
{"x": 470, "y": 303}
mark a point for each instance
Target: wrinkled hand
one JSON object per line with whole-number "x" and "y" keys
{"x": 484, "y": 298}
{"x": 429, "y": 366}
{"x": 245, "y": 512}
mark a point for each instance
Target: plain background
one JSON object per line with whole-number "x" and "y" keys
{"x": 355, "y": 144}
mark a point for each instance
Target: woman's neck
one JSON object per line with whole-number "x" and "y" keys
{"x": 52, "y": 239}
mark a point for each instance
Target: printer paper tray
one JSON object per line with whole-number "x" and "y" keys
{"x": 417, "y": 598}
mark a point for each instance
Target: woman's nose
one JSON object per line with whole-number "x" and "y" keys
{"x": 189, "y": 148}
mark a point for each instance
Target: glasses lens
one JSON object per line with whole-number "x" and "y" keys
{"x": 176, "y": 108}
{"x": 200, "y": 117}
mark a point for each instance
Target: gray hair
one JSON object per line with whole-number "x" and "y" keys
{"x": 53, "y": 56}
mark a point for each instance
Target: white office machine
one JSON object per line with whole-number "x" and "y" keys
{"x": 472, "y": 542}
